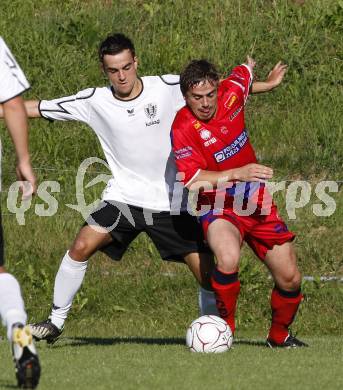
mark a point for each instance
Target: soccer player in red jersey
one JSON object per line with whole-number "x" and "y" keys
{"x": 214, "y": 154}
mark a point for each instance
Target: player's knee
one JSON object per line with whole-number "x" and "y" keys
{"x": 228, "y": 261}
{"x": 296, "y": 281}
{"x": 79, "y": 251}
{"x": 290, "y": 281}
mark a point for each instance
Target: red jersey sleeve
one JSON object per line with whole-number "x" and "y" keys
{"x": 242, "y": 77}
{"x": 187, "y": 152}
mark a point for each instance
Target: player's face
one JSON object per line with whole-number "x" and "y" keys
{"x": 202, "y": 100}
{"x": 121, "y": 69}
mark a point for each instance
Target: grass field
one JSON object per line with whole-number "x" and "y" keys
{"x": 296, "y": 129}
{"x": 164, "y": 363}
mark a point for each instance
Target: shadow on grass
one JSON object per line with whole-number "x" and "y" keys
{"x": 257, "y": 343}
{"x": 7, "y": 385}
{"x": 79, "y": 341}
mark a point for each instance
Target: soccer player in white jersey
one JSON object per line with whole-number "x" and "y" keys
{"x": 132, "y": 119}
{"x": 12, "y": 84}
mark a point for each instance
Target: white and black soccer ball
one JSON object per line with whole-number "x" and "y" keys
{"x": 209, "y": 334}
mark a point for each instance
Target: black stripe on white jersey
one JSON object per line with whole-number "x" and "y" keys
{"x": 13, "y": 65}
{"x": 59, "y": 104}
{"x": 166, "y": 82}
{"x": 18, "y": 94}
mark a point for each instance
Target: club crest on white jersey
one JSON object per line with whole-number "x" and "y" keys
{"x": 151, "y": 111}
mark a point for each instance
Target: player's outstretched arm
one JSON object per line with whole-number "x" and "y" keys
{"x": 273, "y": 80}
{"x": 32, "y": 110}
{"x": 15, "y": 117}
{"x": 31, "y": 107}
{"x": 249, "y": 172}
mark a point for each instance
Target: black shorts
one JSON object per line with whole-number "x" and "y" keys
{"x": 173, "y": 235}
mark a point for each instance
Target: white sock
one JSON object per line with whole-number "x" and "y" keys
{"x": 207, "y": 302}
{"x": 67, "y": 283}
{"x": 12, "y": 308}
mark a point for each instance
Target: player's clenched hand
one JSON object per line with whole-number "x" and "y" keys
{"x": 276, "y": 75}
{"x": 253, "y": 172}
{"x": 27, "y": 177}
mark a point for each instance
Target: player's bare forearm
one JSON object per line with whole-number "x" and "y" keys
{"x": 273, "y": 80}
{"x": 260, "y": 86}
{"x": 16, "y": 121}
{"x": 212, "y": 179}
{"x": 31, "y": 107}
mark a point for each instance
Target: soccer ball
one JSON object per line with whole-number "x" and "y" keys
{"x": 209, "y": 334}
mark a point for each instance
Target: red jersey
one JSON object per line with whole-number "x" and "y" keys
{"x": 223, "y": 142}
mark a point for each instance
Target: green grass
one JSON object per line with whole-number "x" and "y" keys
{"x": 57, "y": 47}
{"x": 110, "y": 362}
{"x": 296, "y": 129}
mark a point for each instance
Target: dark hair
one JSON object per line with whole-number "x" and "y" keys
{"x": 115, "y": 44}
{"x": 196, "y": 72}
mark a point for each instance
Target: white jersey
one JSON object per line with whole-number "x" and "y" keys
{"x": 12, "y": 79}
{"x": 134, "y": 135}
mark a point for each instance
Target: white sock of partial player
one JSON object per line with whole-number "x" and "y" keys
{"x": 12, "y": 308}
{"x": 67, "y": 283}
{"x": 207, "y": 302}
